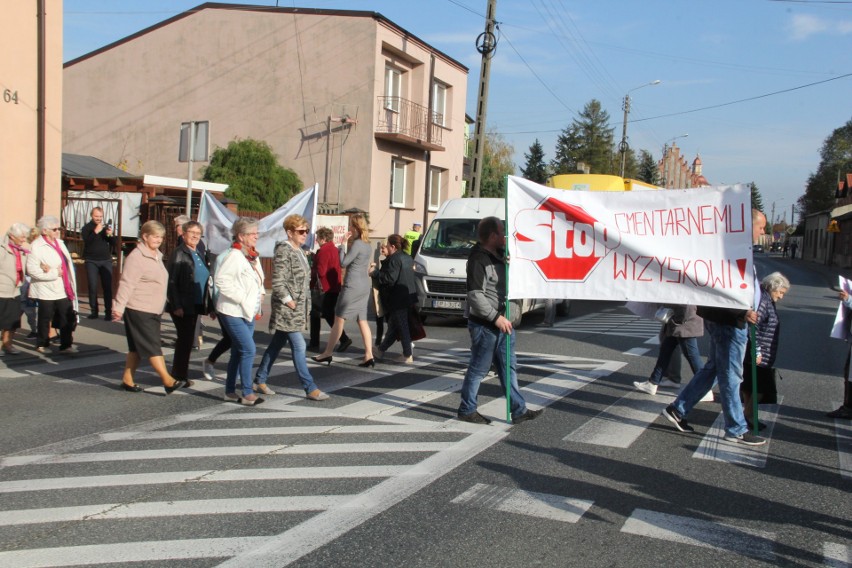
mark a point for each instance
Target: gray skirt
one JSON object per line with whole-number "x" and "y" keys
{"x": 143, "y": 333}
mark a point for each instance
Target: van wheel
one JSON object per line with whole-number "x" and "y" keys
{"x": 564, "y": 308}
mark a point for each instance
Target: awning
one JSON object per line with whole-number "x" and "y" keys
{"x": 842, "y": 213}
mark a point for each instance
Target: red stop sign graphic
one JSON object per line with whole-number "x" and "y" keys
{"x": 577, "y": 241}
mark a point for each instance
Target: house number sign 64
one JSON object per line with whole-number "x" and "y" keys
{"x": 10, "y": 96}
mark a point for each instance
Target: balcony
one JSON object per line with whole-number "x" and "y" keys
{"x": 406, "y": 122}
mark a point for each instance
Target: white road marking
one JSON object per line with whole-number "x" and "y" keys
{"x": 714, "y": 446}
{"x": 706, "y": 534}
{"x": 530, "y": 503}
{"x": 275, "y": 431}
{"x": 171, "y": 509}
{"x": 836, "y": 555}
{"x": 843, "y": 430}
{"x": 636, "y": 351}
{"x": 623, "y": 422}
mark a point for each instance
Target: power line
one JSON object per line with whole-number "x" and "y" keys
{"x": 468, "y": 8}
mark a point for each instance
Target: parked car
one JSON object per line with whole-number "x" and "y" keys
{"x": 757, "y": 248}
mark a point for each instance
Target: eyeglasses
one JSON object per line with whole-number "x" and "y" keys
{"x": 301, "y": 231}
{"x": 193, "y": 233}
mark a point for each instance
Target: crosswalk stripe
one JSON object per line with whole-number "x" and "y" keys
{"x": 530, "y": 503}
{"x": 150, "y": 551}
{"x": 222, "y": 451}
{"x": 714, "y": 446}
{"x": 106, "y": 511}
{"x": 836, "y": 555}
{"x": 272, "y": 431}
{"x": 698, "y": 532}
{"x": 169, "y": 477}
{"x": 623, "y": 422}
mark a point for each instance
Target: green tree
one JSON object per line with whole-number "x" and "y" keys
{"x": 255, "y": 179}
{"x": 589, "y": 139}
{"x": 496, "y": 165}
{"x": 535, "y": 168}
{"x": 835, "y": 161}
{"x": 648, "y": 170}
{"x": 756, "y": 199}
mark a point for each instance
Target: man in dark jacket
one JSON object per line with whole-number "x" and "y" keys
{"x": 728, "y": 338}
{"x": 97, "y": 252}
{"x": 489, "y": 329}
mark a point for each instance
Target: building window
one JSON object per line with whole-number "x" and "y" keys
{"x": 437, "y": 179}
{"x": 439, "y": 104}
{"x": 393, "y": 88}
{"x": 399, "y": 182}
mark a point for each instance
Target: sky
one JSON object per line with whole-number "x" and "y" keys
{"x": 758, "y": 85}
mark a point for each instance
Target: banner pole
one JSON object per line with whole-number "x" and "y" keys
{"x": 506, "y": 308}
{"x": 755, "y": 423}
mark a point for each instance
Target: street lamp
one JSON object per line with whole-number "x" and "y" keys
{"x": 623, "y": 146}
{"x": 666, "y": 160}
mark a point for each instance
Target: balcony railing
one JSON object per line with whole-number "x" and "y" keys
{"x": 407, "y": 122}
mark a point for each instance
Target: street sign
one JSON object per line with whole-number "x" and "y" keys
{"x": 198, "y": 133}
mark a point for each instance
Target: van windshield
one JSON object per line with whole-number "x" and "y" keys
{"x": 450, "y": 237}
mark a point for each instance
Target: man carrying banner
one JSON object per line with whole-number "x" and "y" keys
{"x": 728, "y": 329}
{"x": 489, "y": 329}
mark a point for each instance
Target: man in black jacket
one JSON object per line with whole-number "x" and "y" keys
{"x": 97, "y": 251}
{"x": 728, "y": 329}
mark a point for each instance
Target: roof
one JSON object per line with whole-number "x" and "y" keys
{"x": 269, "y": 9}
{"x": 90, "y": 167}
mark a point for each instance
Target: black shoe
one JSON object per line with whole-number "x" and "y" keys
{"x": 675, "y": 418}
{"x": 370, "y": 363}
{"x": 108, "y": 317}
{"x": 32, "y": 335}
{"x": 131, "y": 388}
{"x": 474, "y": 418}
{"x": 344, "y": 345}
{"x": 528, "y": 415}
{"x": 842, "y": 412}
{"x": 176, "y": 385}
{"x": 93, "y": 316}
{"x": 319, "y": 359}
{"x": 748, "y": 439}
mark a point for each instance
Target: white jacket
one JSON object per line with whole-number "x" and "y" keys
{"x": 240, "y": 287}
{"x": 48, "y": 285}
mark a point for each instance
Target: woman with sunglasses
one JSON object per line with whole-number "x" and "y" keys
{"x": 54, "y": 285}
{"x": 290, "y": 292}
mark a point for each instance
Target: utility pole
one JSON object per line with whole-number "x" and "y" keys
{"x": 486, "y": 43}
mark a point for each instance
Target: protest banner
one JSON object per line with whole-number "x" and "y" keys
{"x": 218, "y": 220}
{"x": 686, "y": 246}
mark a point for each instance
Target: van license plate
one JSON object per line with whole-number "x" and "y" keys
{"x": 446, "y": 304}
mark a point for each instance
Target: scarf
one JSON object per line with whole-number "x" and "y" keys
{"x": 66, "y": 279}
{"x": 19, "y": 265}
{"x": 251, "y": 253}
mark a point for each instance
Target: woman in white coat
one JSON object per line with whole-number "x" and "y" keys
{"x": 54, "y": 285}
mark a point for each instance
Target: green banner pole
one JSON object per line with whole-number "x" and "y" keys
{"x": 506, "y": 309}
{"x": 753, "y": 354}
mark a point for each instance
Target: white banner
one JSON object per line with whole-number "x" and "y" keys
{"x": 217, "y": 221}
{"x": 339, "y": 225}
{"x": 685, "y": 246}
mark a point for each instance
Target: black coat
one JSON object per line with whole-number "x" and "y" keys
{"x": 395, "y": 280}
{"x": 181, "y": 289}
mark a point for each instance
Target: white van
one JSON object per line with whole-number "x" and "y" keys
{"x": 440, "y": 264}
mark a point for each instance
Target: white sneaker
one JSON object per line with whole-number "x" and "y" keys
{"x": 209, "y": 370}
{"x": 70, "y": 350}
{"x": 707, "y": 397}
{"x": 646, "y": 386}
{"x": 669, "y": 384}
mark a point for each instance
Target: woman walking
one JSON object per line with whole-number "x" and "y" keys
{"x": 54, "y": 285}
{"x": 290, "y": 290}
{"x": 189, "y": 271}
{"x": 13, "y": 271}
{"x": 683, "y": 329}
{"x": 239, "y": 283}
{"x": 398, "y": 293}
{"x": 355, "y": 294}
{"x": 140, "y": 300}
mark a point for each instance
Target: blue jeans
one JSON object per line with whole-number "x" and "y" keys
{"x": 487, "y": 346}
{"x": 297, "y": 351}
{"x": 724, "y": 364}
{"x": 689, "y": 347}
{"x": 242, "y": 353}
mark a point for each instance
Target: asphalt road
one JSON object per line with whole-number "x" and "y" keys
{"x": 382, "y": 475}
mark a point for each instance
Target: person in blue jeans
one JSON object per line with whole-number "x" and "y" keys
{"x": 489, "y": 329}
{"x": 291, "y": 277}
{"x": 728, "y": 337}
{"x": 683, "y": 329}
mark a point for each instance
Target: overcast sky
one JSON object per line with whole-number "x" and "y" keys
{"x": 757, "y": 84}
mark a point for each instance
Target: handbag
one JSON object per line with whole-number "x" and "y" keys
{"x": 415, "y": 326}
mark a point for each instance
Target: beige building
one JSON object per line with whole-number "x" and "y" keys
{"x": 342, "y": 97}
{"x": 30, "y": 110}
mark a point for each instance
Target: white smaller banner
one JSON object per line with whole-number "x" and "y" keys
{"x": 682, "y": 246}
{"x": 218, "y": 220}
{"x": 840, "y": 329}
{"x": 339, "y": 225}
